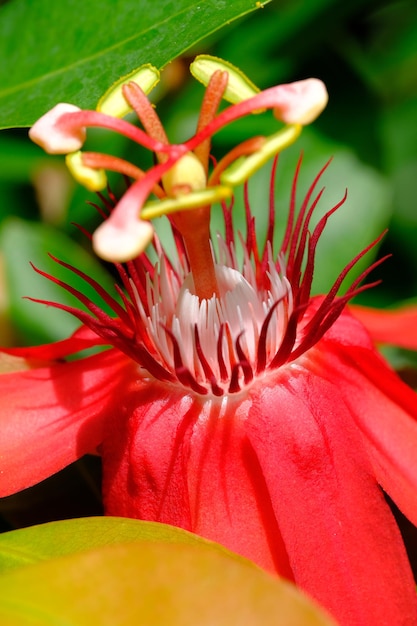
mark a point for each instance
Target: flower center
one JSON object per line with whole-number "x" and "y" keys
{"x": 238, "y": 307}
{"x": 216, "y": 340}
{"x": 203, "y": 320}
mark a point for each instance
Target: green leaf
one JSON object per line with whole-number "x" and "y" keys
{"x": 153, "y": 579}
{"x": 24, "y": 242}
{"x": 54, "y": 539}
{"x": 70, "y": 51}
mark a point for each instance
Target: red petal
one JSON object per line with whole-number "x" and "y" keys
{"x": 385, "y": 410}
{"x": 51, "y": 416}
{"x": 344, "y": 546}
{"x": 383, "y": 407}
{"x": 184, "y": 461}
{"x": 397, "y": 327}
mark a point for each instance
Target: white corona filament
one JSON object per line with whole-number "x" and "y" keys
{"x": 241, "y": 308}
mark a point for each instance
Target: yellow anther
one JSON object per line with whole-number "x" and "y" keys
{"x": 92, "y": 179}
{"x": 239, "y": 87}
{"x": 113, "y": 102}
{"x": 186, "y": 202}
{"x": 244, "y": 167}
{"x": 187, "y": 174}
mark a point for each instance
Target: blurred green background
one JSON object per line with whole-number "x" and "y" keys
{"x": 365, "y": 51}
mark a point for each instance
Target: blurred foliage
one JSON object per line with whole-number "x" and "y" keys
{"x": 366, "y": 54}
{"x": 365, "y": 51}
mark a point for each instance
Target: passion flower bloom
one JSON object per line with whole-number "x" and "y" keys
{"x": 228, "y": 400}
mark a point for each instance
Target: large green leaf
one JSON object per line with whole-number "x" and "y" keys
{"x": 129, "y": 572}
{"x": 47, "y": 541}
{"x": 72, "y": 51}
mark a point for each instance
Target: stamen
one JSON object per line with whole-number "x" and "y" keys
{"x": 243, "y": 149}
{"x": 242, "y": 169}
{"x": 113, "y": 101}
{"x": 239, "y": 87}
{"x": 93, "y": 179}
{"x": 186, "y": 202}
{"x": 116, "y": 164}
